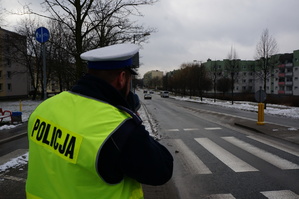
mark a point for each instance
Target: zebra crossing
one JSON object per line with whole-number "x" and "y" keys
{"x": 194, "y": 165}
{"x": 281, "y": 194}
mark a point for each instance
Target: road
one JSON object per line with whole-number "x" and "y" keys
{"x": 215, "y": 159}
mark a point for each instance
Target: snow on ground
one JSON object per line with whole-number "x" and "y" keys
{"x": 274, "y": 109}
{"x": 28, "y": 106}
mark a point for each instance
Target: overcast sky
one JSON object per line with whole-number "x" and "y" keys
{"x": 200, "y": 29}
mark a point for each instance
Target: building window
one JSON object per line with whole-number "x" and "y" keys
{"x": 9, "y": 87}
{"x": 0, "y": 87}
{"x": 0, "y": 73}
{"x": 8, "y": 62}
{"x": 8, "y": 74}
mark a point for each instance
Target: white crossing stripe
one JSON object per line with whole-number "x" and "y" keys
{"x": 191, "y": 161}
{"x": 172, "y": 130}
{"x": 13, "y": 178}
{"x": 269, "y": 157}
{"x": 213, "y": 128}
{"x": 280, "y": 194}
{"x": 267, "y": 142}
{"x": 191, "y": 129}
{"x": 221, "y": 196}
{"x": 226, "y": 157}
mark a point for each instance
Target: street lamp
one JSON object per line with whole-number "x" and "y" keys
{"x": 137, "y": 36}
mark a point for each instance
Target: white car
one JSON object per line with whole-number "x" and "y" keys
{"x": 147, "y": 96}
{"x": 165, "y": 94}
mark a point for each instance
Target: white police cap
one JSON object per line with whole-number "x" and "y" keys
{"x": 112, "y": 57}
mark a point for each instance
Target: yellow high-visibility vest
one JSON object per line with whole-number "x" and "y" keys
{"x": 66, "y": 133}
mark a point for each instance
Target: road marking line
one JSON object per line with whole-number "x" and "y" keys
{"x": 190, "y": 159}
{"x": 13, "y": 178}
{"x": 280, "y": 194}
{"x": 269, "y": 157}
{"x": 172, "y": 130}
{"x": 293, "y": 152}
{"x": 191, "y": 129}
{"x": 233, "y": 162}
{"x": 221, "y": 196}
{"x": 213, "y": 128}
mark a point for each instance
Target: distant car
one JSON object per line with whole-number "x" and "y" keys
{"x": 164, "y": 94}
{"x": 145, "y": 91}
{"x": 147, "y": 96}
{"x": 151, "y": 92}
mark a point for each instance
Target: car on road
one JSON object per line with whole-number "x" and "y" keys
{"x": 165, "y": 94}
{"x": 147, "y": 96}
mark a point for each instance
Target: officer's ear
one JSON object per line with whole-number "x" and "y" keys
{"x": 120, "y": 80}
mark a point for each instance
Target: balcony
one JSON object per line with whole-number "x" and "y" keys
{"x": 281, "y": 92}
{"x": 289, "y": 65}
{"x": 281, "y": 75}
{"x": 288, "y": 92}
{"x": 281, "y": 66}
{"x": 288, "y": 83}
{"x": 289, "y": 74}
{"x": 281, "y": 83}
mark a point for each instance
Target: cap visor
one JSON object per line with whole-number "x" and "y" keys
{"x": 132, "y": 71}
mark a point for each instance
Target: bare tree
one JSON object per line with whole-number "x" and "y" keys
{"x": 232, "y": 68}
{"x": 96, "y": 23}
{"x": 2, "y": 15}
{"x": 215, "y": 72}
{"x": 31, "y": 55}
{"x": 266, "y": 48}
{"x": 223, "y": 84}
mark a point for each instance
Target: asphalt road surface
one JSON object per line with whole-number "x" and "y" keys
{"x": 214, "y": 159}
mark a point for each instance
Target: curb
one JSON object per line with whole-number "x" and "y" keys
{"x": 5, "y": 140}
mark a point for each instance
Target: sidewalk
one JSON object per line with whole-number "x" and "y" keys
{"x": 7, "y": 135}
{"x": 270, "y": 129}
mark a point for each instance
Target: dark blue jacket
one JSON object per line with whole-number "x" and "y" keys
{"x": 130, "y": 151}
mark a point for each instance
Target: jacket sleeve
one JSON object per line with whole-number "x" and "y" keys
{"x": 145, "y": 159}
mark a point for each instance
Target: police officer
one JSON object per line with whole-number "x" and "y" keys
{"x": 88, "y": 142}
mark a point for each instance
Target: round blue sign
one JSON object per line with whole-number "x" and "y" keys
{"x": 42, "y": 34}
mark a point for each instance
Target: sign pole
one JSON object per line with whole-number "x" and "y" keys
{"x": 44, "y": 71}
{"x": 42, "y": 35}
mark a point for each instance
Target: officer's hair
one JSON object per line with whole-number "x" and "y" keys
{"x": 108, "y": 75}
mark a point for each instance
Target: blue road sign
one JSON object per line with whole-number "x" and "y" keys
{"x": 42, "y": 34}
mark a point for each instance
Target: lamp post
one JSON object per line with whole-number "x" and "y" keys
{"x": 136, "y": 37}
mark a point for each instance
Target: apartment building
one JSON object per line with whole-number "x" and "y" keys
{"x": 13, "y": 74}
{"x": 283, "y": 78}
{"x": 153, "y": 78}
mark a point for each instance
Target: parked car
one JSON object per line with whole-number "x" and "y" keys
{"x": 147, "y": 96}
{"x": 164, "y": 94}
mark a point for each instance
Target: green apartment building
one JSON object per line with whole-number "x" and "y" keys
{"x": 282, "y": 75}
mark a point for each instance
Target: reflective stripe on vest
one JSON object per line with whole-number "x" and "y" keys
{"x": 65, "y": 135}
